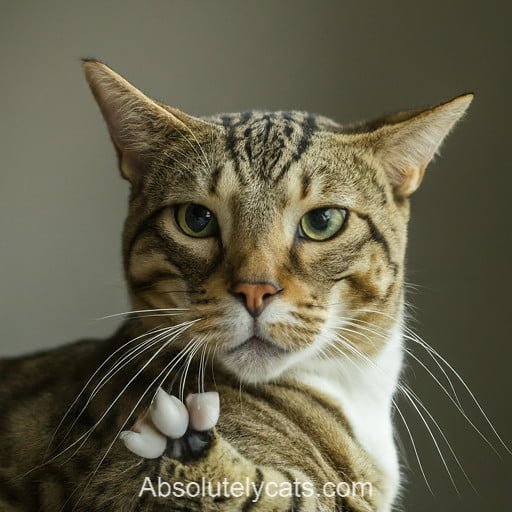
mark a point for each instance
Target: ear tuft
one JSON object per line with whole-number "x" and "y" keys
{"x": 407, "y": 143}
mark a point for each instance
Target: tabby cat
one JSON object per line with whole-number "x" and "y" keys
{"x": 264, "y": 258}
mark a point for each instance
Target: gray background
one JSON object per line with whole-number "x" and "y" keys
{"x": 62, "y": 202}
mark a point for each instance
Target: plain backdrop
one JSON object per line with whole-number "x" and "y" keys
{"x": 62, "y": 202}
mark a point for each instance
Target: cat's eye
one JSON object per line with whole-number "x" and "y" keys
{"x": 322, "y": 223}
{"x": 196, "y": 220}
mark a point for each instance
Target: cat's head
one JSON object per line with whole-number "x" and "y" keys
{"x": 281, "y": 234}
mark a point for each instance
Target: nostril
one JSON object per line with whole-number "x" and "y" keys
{"x": 254, "y": 295}
{"x": 272, "y": 290}
{"x": 239, "y": 295}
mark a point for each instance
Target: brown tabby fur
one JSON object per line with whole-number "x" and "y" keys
{"x": 255, "y": 170}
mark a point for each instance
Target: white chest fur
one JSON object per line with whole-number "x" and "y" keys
{"x": 365, "y": 391}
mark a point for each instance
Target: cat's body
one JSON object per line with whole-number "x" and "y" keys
{"x": 279, "y": 239}
{"x": 281, "y": 433}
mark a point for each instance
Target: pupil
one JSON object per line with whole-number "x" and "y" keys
{"x": 197, "y": 217}
{"x": 319, "y": 219}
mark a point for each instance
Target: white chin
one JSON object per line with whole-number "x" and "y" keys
{"x": 253, "y": 368}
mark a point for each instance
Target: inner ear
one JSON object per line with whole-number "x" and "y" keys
{"x": 141, "y": 128}
{"x": 403, "y": 144}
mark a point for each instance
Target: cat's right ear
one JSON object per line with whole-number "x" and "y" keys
{"x": 139, "y": 126}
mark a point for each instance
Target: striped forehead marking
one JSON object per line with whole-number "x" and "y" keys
{"x": 266, "y": 144}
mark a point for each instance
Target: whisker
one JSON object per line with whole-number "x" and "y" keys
{"x": 450, "y": 383}
{"x": 213, "y": 365}
{"x": 91, "y": 379}
{"x": 422, "y": 405}
{"x": 140, "y": 311}
{"x": 184, "y": 376}
{"x": 356, "y": 332}
{"x": 164, "y": 345}
{"x": 413, "y": 443}
{"x": 210, "y": 351}
{"x": 88, "y": 433}
{"x": 116, "y": 368}
{"x": 193, "y": 343}
{"x": 439, "y": 451}
{"x": 161, "y": 315}
{"x": 459, "y": 409}
{"x": 466, "y": 387}
{"x": 205, "y": 363}
{"x": 412, "y": 336}
{"x": 456, "y": 403}
{"x": 174, "y": 361}
{"x": 353, "y": 349}
{"x": 200, "y": 369}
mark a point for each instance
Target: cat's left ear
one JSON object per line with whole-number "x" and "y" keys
{"x": 405, "y": 143}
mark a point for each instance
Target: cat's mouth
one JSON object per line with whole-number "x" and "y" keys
{"x": 258, "y": 346}
{"x": 256, "y": 358}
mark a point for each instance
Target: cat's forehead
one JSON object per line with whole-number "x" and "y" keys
{"x": 264, "y": 145}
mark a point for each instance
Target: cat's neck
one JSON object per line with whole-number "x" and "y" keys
{"x": 364, "y": 390}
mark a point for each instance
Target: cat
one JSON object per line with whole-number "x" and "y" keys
{"x": 264, "y": 259}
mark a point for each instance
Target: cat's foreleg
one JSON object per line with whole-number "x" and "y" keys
{"x": 191, "y": 450}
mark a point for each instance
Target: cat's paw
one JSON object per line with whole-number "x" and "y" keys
{"x": 182, "y": 431}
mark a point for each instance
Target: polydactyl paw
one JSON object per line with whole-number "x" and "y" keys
{"x": 182, "y": 431}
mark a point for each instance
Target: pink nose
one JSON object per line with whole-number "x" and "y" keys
{"x": 254, "y": 295}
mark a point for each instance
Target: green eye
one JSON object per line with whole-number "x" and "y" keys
{"x": 322, "y": 223}
{"x": 196, "y": 220}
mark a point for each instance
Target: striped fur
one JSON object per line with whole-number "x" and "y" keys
{"x": 314, "y": 409}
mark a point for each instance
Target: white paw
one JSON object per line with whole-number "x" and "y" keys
{"x": 169, "y": 417}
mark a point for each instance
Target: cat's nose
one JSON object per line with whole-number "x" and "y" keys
{"x": 254, "y": 295}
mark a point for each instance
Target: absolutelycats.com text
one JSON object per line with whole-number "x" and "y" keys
{"x": 160, "y": 488}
